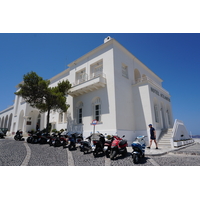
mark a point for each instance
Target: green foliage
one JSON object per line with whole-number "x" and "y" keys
{"x": 36, "y": 91}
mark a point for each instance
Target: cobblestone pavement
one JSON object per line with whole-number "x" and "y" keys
{"x": 45, "y": 155}
{"x": 81, "y": 159}
{"x": 189, "y": 156}
{"x": 11, "y": 155}
{"x": 16, "y": 153}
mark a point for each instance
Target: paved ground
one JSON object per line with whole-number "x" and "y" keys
{"x": 21, "y": 153}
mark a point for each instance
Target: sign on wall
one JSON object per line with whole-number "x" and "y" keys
{"x": 160, "y": 94}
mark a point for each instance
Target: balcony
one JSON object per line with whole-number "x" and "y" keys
{"x": 88, "y": 84}
{"x": 148, "y": 80}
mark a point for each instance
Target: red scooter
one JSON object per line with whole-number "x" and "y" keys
{"x": 118, "y": 146}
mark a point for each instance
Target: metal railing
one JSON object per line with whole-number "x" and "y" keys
{"x": 86, "y": 78}
{"x": 146, "y": 78}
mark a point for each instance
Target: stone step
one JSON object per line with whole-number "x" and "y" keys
{"x": 166, "y": 137}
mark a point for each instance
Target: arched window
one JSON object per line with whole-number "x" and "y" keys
{"x": 96, "y": 107}
{"x": 60, "y": 118}
{"x": 79, "y": 108}
{"x": 137, "y": 76}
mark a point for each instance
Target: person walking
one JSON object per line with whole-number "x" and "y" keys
{"x": 152, "y": 136}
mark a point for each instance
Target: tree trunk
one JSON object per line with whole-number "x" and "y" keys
{"x": 48, "y": 115}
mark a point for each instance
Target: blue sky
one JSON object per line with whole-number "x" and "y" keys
{"x": 173, "y": 57}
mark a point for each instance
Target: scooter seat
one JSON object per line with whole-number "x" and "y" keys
{"x": 123, "y": 142}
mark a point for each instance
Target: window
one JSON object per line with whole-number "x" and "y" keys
{"x": 79, "y": 112}
{"x": 96, "y": 69}
{"x": 97, "y": 109}
{"x": 65, "y": 117}
{"x": 81, "y": 76}
{"x": 60, "y": 120}
{"x": 137, "y": 76}
{"x": 80, "y": 116}
{"x": 124, "y": 71}
{"x": 97, "y": 112}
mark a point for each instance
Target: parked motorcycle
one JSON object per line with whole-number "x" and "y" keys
{"x": 98, "y": 145}
{"x": 86, "y": 145}
{"x": 3, "y": 132}
{"x": 138, "y": 147}
{"x": 118, "y": 146}
{"x": 19, "y": 135}
{"x": 74, "y": 140}
{"x": 53, "y": 137}
{"x": 60, "y": 140}
{"x": 93, "y": 143}
{"x": 43, "y": 138}
{"x": 107, "y": 145}
{"x": 35, "y": 137}
{"x": 30, "y": 136}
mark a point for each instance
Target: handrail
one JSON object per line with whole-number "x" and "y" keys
{"x": 146, "y": 78}
{"x": 85, "y": 78}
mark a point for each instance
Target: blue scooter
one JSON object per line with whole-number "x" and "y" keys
{"x": 138, "y": 147}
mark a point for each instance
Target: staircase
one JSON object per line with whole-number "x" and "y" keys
{"x": 164, "y": 140}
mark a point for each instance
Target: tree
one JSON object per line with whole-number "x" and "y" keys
{"x": 36, "y": 91}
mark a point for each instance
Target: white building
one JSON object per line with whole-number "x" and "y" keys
{"x": 110, "y": 85}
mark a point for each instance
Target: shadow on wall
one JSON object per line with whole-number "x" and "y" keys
{"x": 72, "y": 126}
{"x": 140, "y": 121}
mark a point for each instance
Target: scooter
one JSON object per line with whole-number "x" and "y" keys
{"x": 19, "y": 135}
{"x": 44, "y": 138}
{"x": 35, "y": 138}
{"x": 30, "y": 136}
{"x": 52, "y": 138}
{"x": 99, "y": 145}
{"x": 86, "y": 145}
{"x": 3, "y": 132}
{"x": 107, "y": 145}
{"x": 138, "y": 147}
{"x": 118, "y": 146}
{"x": 72, "y": 141}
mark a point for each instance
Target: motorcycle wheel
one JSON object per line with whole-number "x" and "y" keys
{"x": 50, "y": 143}
{"x": 113, "y": 153}
{"x": 56, "y": 144}
{"x": 107, "y": 154}
{"x": 15, "y": 137}
{"x": 70, "y": 147}
{"x": 135, "y": 158}
{"x": 35, "y": 141}
{"x": 124, "y": 153}
{"x": 95, "y": 153}
{"x": 85, "y": 151}
{"x": 28, "y": 140}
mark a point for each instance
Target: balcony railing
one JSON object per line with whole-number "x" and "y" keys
{"x": 86, "y": 78}
{"x": 85, "y": 85}
{"x": 146, "y": 78}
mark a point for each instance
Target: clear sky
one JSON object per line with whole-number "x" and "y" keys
{"x": 175, "y": 58}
